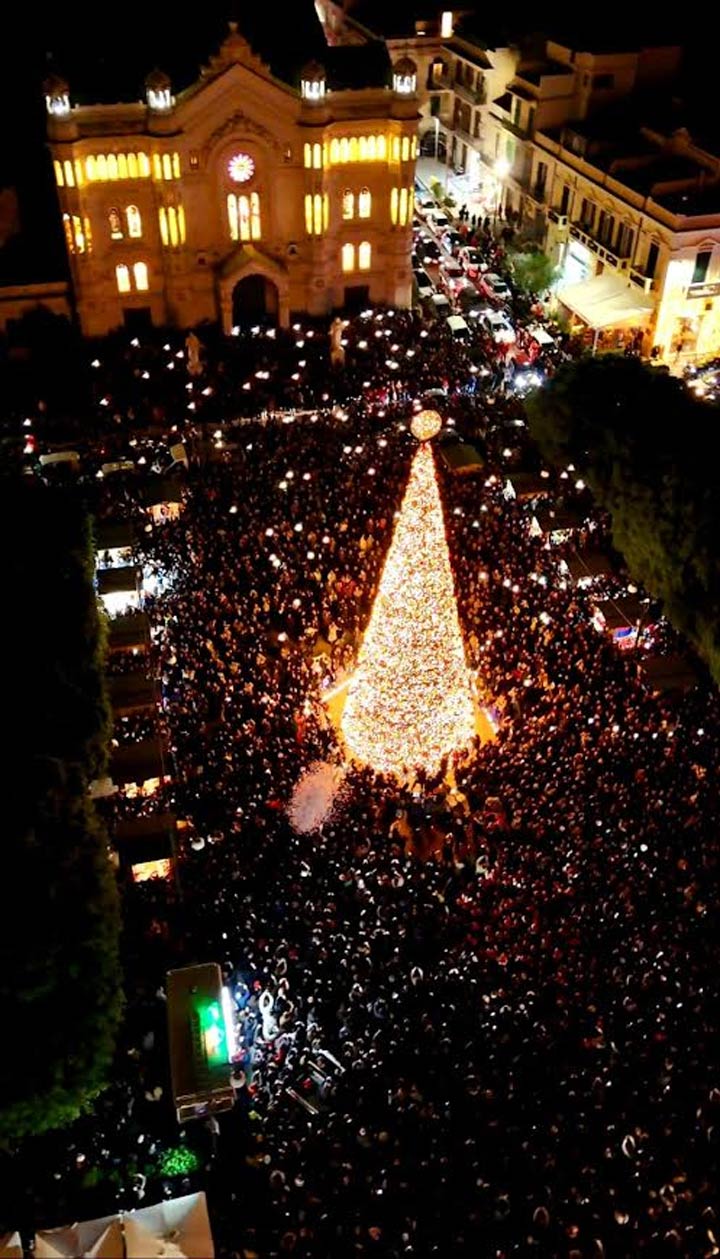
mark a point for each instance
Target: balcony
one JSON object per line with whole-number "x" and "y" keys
{"x": 469, "y": 94}
{"x": 556, "y": 217}
{"x": 644, "y": 282}
{"x": 603, "y": 252}
{"x": 439, "y": 83}
{"x": 521, "y": 133}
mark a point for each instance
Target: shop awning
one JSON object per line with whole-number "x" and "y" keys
{"x": 606, "y": 301}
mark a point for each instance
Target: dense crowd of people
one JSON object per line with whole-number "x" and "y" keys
{"x": 476, "y": 1011}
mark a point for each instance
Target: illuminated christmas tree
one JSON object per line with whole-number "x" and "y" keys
{"x": 410, "y": 701}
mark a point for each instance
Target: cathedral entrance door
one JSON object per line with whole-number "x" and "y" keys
{"x": 255, "y": 297}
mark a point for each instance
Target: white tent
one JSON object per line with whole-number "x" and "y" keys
{"x": 93, "y": 1239}
{"x": 177, "y": 1229}
{"x": 10, "y": 1246}
{"x": 606, "y": 301}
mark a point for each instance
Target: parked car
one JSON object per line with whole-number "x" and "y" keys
{"x": 452, "y": 241}
{"x": 452, "y": 277}
{"x": 458, "y": 328}
{"x": 425, "y": 286}
{"x": 427, "y": 250}
{"x": 498, "y": 325}
{"x": 494, "y": 287}
{"x": 424, "y": 205}
{"x": 471, "y": 261}
{"x": 439, "y": 305}
{"x": 438, "y": 220}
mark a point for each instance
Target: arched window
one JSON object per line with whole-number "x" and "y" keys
{"x": 403, "y": 206}
{"x": 78, "y": 234}
{"x": 67, "y": 227}
{"x": 132, "y": 166}
{"x": 317, "y": 214}
{"x": 308, "y": 213}
{"x": 411, "y": 204}
{"x": 413, "y": 147}
{"x": 69, "y": 173}
{"x": 232, "y": 215}
{"x": 364, "y": 203}
{"x": 122, "y": 278}
{"x": 317, "y": 156}
{"x": 157, "y": 166}
{"x": 167, "y": 166}
{"x": 112, "y": 166}
{"x": 334, "y": 152}
{"x": 101, "y": 165}
{"x": 344, "y": 149}
{"x": 353, "y": 149}
{"x": 79, "y": 174}
{"x": 134, "y": 221}
{"x": 348, "y": 257}
{"x": 115, "y": 224}
{"x": 176, "y": 165}
{"x": 255, "y": 227}
{"x": 59, "y": 177}
{"x": 364, "y": 255}
{"x": 381, "y": 148}
{"x": 181, "y": 223}
{"x": 173, "y": 227}
{"x": 90, "y": 171}
{"x": 363, "y": 148}
{"x": 348, "y": 204}
{"x": 394, "y": 206}
{"x": 143, "y": 165}
{"x": 307, "y": 150}
{"x": 140, "y": 273}
{"x": 396, "y": 149}
{"x": 162, "y": 215}
{"x": 405, "y": 148}
{"x": 326, "y": 210}
{"x": 371, "y": 149}
{"x": 88, "y": 233}
{"x": 244, "y": 216}
{"x": 122, "y": 166}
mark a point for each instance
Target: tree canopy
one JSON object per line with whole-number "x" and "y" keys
{"x": 59, "y": 964}
{"x": 648, "y": 450}
{"x": 532, "y": 271}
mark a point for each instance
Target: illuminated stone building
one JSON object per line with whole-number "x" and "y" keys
{"x": 251, "y": 192}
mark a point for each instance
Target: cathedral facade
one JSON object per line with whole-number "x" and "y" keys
{"x": 243, "y": 196}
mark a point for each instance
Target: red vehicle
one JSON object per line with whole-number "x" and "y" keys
{"x": 494, "y": 287}
{"x": 470, "y": 260}
{"x": 452, "y": 277}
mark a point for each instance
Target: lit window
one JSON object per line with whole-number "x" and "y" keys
{"x": 403, "y": 215}
{"x": 194, "y": 161}
{"x": 79, "y": 175}
{"x": 241, "y": 168}
{"x": 254, "y": 216}
{"x": 394, "y": 205}
{"x": 396, "y": 149}
{"x": 364, "y": 255}
{"x": 325, "y": 153}
{"x": 308, "y": 155}
{"x": 162, "y": 214}
{"x": 112, "y": 166}
{"x": 364, "y": 203}
{"x": 381, "y": 148}
{"x": 371, "y": 149}
{"x": 59, "y": 177}
{"x": 317, "y": 156}
{"x": 317, "y": 214}
{"x": 122, "y": 277}
{"x": 115, "y": 224}
{"x": 413, "y": 147}
{"x": 79, "y": 234}
{"x": 144, "y": 165}
{"x": 446, "y": 24}
{"x": 181, "y": 223}
{"x": 244, "y": 216}
{"x": 157, "y": 166}
{"x": 69, "y": 174}
{"x": 101, "y": 164}
{"x": 308, "y": 213}
{"x": 134, "y": 222}
{"x": 405, "y": 148}
{"x": 140, "y": 272}
{"x": 348, "y": 204}
{"x": 67, "y": 226}
{"x": 411, "y": 204}
{"x": 232, "y": 215}
{"x": 90, "y": 171}
{"x": 167, "y": 166}
{"x": 88, "y": 233}
{"x": 363, "y": 148}
{"x": 176, "y": 165}
{"x": 344, "y": 149}
{"x": 122, "y": 166}
{"x": 326, "y": 210}
{"x": 353, "y": 149}
{"x": 132, "y": 163}
{"x": 348, "y": 258}
{"x": 173, "y": 227}
{"x": 334, "y": 152}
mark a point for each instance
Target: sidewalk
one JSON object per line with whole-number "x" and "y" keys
{"x": 458, "y": 186}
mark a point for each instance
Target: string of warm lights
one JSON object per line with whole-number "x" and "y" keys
{"x": 410, "y": 700}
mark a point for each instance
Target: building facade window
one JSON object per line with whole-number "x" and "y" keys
{"x": 115, "y": 224}
{"x": 244, "y": 216}
{"x": 652, "y": 259}
{"x": 134, "y": 222}
{"x": 702, "y": 266}
{"x": 364, "y": 255}
{"x": 122, "y": 278}
{"x": 348, "y": 204}
{"x": 348, "y": 258}
{"x": 140, "y": 275}
{"x": 394, "y": 202}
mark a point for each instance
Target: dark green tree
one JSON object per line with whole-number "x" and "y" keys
{"x": 532, "y": 271}
{"x": 59, "y": 961}
{"x": 647, "y": 449}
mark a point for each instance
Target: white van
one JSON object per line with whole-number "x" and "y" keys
{"x": 440, "y": 304}
{"x": 458, "y": 328}
{"x": 60, "y": 456}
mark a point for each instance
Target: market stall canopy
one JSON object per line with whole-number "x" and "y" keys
{"x": 562, "y": 518}
{"x": 162, "y": 490}
{"x": 588, "y": 564}
{"x": 118, "y": 581}
{"x": 10, "y": 1246}
{"x": 149, "y": 838}
{"x": 132, "y": 693}
{"x": 93, "y": 1239}
{"x": 606, "y": 301}
{"x": 128, "y": 633}
{"x": 462, "y": 457}
{"x": 137, "y": 763}
{"x": 177, "y": 1229}
{"x": 114, "y": 535}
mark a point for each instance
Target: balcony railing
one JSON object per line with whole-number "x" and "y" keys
{"x": 598, "y": 247}
{"x": 470, "y": 94}
{"x": 644, "y": 282}
{"x": 522, "y": 133}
